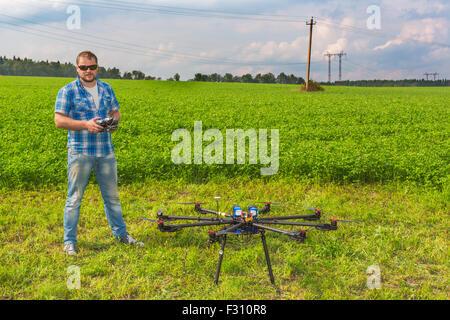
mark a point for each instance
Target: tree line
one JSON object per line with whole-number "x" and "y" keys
{"x": 392, "y": 83}
{"x": 28, "y": 67}
{"x": 248, "y": 78}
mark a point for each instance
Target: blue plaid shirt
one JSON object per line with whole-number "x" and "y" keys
{"x": 75, "y": 102}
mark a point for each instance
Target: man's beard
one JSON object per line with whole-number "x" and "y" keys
{"x": 86, "y": 80}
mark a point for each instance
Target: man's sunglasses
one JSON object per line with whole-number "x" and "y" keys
{"x": 92, "y": 67}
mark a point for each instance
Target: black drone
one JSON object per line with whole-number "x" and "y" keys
{"x": 108, "y": 124}
{"x": 249, "y": 222}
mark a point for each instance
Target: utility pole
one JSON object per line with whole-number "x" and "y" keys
{"x": 329, "y": 55}
{"x": 434, "y": 74}
{"x": 310, "y": 24}
{"x": 340, "y": 54}
{"x": 426, "y": 74}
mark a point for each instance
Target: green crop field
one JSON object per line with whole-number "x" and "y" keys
{"x": 378, "y": 155}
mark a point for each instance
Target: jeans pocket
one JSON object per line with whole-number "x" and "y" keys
{"x": 72, "y": 155}
{"x": 110, "y": 157}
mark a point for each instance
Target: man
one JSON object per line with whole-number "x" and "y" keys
{"x": 78, "y": 105}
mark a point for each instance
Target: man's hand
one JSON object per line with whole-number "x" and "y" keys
{"x": 92, "y": 126}
{"x": 116, "y": 115}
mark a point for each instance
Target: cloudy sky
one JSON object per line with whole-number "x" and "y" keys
{"x": 382, "y": 39}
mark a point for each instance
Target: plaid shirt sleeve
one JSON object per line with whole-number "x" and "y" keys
{"x": 114, "y": 103}
{"x": 63, "y": 101}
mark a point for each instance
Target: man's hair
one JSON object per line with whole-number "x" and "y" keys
{"x": 87, "y": 54}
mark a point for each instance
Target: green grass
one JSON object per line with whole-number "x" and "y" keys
{"x": 404, "y": 233}
{"x": 342, "y": 135}
{"x": 379, "y": 155}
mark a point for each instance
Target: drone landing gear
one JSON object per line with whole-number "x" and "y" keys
{"x": 266, "y": 252}
{"x": 222, "y": 248}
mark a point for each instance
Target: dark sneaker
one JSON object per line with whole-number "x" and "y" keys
{"x": 70, "y": 249}
{"x": 126, "y": 238}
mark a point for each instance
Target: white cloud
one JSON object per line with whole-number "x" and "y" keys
{"x": 338, "y": 46}
{"x": 420, "y": 7}
{"x": 177, "y": 38}
{"x": 438, "y": 55}
{"x": 424, "y": 31}
{"x": 272, "y": 50}
{"x": 24, "y": 8}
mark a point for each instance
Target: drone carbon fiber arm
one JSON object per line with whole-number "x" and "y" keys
{"x": 305, "y": 217}
{"x": 170, "y": 218}
{"x": 175, "y": 227}
{"x": 299, "y": 235}
{"x": 204, "y": 211}
{"x": 264, "y": 210}
{"x": 232, "y": 228}
{"x": 288, "y": 233}
{"x": 320, "y": 226}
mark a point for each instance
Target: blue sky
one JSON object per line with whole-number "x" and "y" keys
{"x": 164, "y": 37}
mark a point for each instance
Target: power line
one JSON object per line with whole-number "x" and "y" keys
{"x": 160, "y": 52}
{"x": 375, "y": 33}
{"x": 131, "y": 48}
{"x": 146, "y": 8}
{"x": 150, "y": 9}
{"x": 121, "y": 5}
{"x": 126, "y": 3}
{"x": 159, "y": 9}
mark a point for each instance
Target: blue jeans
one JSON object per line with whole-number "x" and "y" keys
{"x": 79, "y": 167}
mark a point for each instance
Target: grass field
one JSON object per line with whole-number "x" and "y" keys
{"x": 379, "y": 155}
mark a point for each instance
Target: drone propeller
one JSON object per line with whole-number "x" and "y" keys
{"x": 302, "y": 231}
{"x": 333, "y": 220}
{"x": 314, "y": 209}
{"x": 152, "y": 220}
{"x": 191, "y": 202}
{"x": 274, "y": 203}
{"x": 345, "y": 220}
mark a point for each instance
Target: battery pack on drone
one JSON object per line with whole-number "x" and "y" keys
{"x": 253, "y": 211}
{"x": 237, "y": 211}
